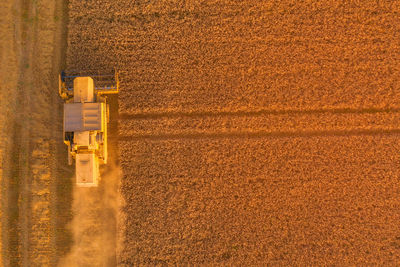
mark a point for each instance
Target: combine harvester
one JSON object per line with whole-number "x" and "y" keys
{"x": 86, "y": 115}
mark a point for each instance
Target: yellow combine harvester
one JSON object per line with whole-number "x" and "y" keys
{"x": 86, "y": 115}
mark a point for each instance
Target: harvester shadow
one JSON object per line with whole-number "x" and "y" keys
{"x": 263, "y": 134}
{"x": 199, "y": 114}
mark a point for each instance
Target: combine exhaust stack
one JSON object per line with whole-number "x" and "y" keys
{"x": 85, "y": 122}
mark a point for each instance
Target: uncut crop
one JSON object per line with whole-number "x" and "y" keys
{"x": 251, "y": 132}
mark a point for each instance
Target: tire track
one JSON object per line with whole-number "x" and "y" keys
{"x": 61, "y": 193}
{"x": 19, "y": 180}
{"x": 11, "y": 48}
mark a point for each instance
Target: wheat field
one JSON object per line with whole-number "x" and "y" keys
{"x": 251, "y": 132}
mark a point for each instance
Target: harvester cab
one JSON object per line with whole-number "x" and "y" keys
{"x": 86, "y": 115}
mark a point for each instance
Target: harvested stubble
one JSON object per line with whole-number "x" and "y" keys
{"x": 252, "y": 131}
{"x": 32, "y": 214}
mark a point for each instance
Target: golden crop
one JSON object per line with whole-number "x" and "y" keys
{"x": 252, "y": 132}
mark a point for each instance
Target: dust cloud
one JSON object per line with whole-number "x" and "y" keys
{"x": 94, "y": 224}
